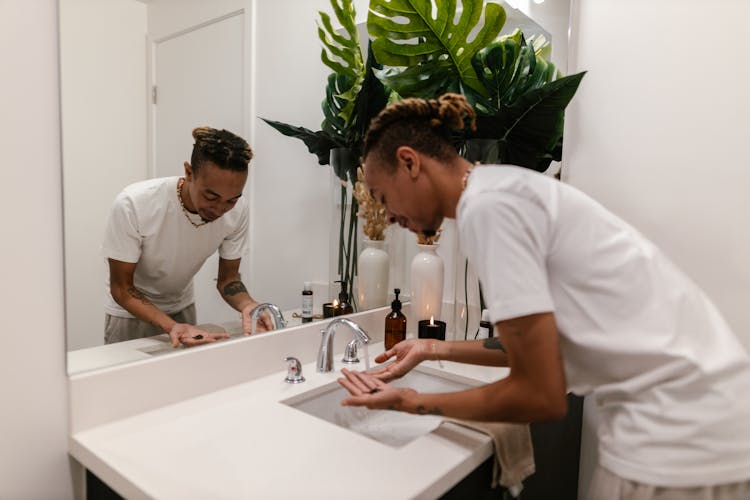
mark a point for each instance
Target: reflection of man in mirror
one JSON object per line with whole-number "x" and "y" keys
{"x": 161, "y": 231}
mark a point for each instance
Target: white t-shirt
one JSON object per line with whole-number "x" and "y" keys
{"x": 670, "y": 379}
{"x": 147, "y": 226}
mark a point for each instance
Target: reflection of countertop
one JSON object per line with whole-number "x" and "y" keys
{"x": 241, "y": 442}
{"x": 93, "y": 358}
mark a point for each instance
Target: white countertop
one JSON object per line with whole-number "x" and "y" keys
{"x": 243, "y": 442}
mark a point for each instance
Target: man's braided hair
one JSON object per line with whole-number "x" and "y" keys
{"x": 220, "y": 147}
{"x": 427, "y": 125}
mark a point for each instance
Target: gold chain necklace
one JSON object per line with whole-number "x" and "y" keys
{"x": 185, "y": 210}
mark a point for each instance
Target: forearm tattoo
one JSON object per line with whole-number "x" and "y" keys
{"x": 139, "y": 295}
{"x": 493, "y": 343}
{"x": 234, "y": 288}
{"x": 421, "y": 410}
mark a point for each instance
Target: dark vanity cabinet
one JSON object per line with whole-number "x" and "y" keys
{"x": 557, "y": 450}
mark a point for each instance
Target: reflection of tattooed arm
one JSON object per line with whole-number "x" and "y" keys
{"x": 133, "y": 300}
{"x": 235, "y": 294}
{"x": 230, "y": 286}
{"x": 156, "y": 320}
{"x": 234, "y": 288}
{"x": 139, "y": 295}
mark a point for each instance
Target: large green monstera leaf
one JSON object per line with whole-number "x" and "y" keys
{"x": 508, "y": 68}
{"x": 407, "y": 38}
{"x": 529, "y": 131}
{"x": 343, "y": 54}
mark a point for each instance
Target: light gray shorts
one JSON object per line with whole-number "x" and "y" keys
{"x": 608, "y": 486}
{"x": 118, "y": 329}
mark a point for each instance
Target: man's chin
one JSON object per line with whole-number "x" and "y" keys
{"x": 430, "y": 229}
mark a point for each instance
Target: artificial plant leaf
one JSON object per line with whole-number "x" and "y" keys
{"x": 372, "y": 99}
{"x": 343, "y": 55}
{"x": 406, "y": 34}
{"x": 432, "y": 79}
{"x": 336, "y": 105}
{"x": 345, "y": 162}
{"x": 318, "y": 143}
{"x": 529, "y": 131}
{"x": 535, "y": 71}
{"x": 509, "y": 68}
{"x": 345, "y": 48}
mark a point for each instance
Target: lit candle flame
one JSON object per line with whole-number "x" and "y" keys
{"x": 335, "y": 303}
{"x": 432, "y": 320}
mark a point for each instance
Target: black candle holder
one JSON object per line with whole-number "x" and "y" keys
{"x": 328, "y": 310}
{"x": 431, "y": 329}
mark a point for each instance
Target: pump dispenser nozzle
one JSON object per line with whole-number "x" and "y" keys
{"x": 396, "y": 304}
{"x": 344, "y": 306}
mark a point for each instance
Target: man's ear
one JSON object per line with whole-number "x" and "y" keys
{"x": 188, "y": 171}
{"x": 410, "y": 159}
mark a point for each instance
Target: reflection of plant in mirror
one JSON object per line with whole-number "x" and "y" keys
{"x": 372, "y": 211}
{"x": 515, "y": 90}
{"x": 353, "y": 97}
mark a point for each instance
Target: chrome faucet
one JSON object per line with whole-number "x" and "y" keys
{"x": 325, "y": 354}
{"x": 278, "y": 318}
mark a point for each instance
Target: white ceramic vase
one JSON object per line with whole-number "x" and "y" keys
{"x": 372, "y": 269}
{"x": 427, "y": 273}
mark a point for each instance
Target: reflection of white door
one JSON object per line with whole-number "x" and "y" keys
{"x": 198, "y": 80}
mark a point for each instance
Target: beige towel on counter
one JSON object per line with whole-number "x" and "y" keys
{"x": 514, "y": 452}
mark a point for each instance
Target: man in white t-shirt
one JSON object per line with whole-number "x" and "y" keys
{"x": 161, "y": 231}
{"x": 582, "y": 302}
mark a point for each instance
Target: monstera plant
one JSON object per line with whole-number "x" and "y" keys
{"x": 353, "y": 97}
{"x": 518, "y": 95}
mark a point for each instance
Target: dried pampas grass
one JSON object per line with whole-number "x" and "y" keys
{"x": 371, "y": 211}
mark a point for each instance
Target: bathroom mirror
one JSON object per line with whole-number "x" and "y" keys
{"x": 138, "y": 75}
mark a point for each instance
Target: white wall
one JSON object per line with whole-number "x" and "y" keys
{"x": 292, "y": 196}
{"x": 33, "y": 391}
{"x": 658, "y": 133}
{"x": 103, "y": 79}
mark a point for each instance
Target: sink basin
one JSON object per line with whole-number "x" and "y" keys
{"x": 388, "y": 427}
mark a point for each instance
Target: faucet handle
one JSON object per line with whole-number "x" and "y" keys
{"x": 350, "y": 352}
{"x": 293, "y": 370}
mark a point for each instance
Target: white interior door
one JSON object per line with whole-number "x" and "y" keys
{"x": 198, "y": 80}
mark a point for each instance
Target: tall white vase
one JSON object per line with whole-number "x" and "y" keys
{"x": 372, "y": 269}
{"x": 427, "y": 272}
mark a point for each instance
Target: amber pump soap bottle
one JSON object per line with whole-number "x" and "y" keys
{"x": 395, "y": 323}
